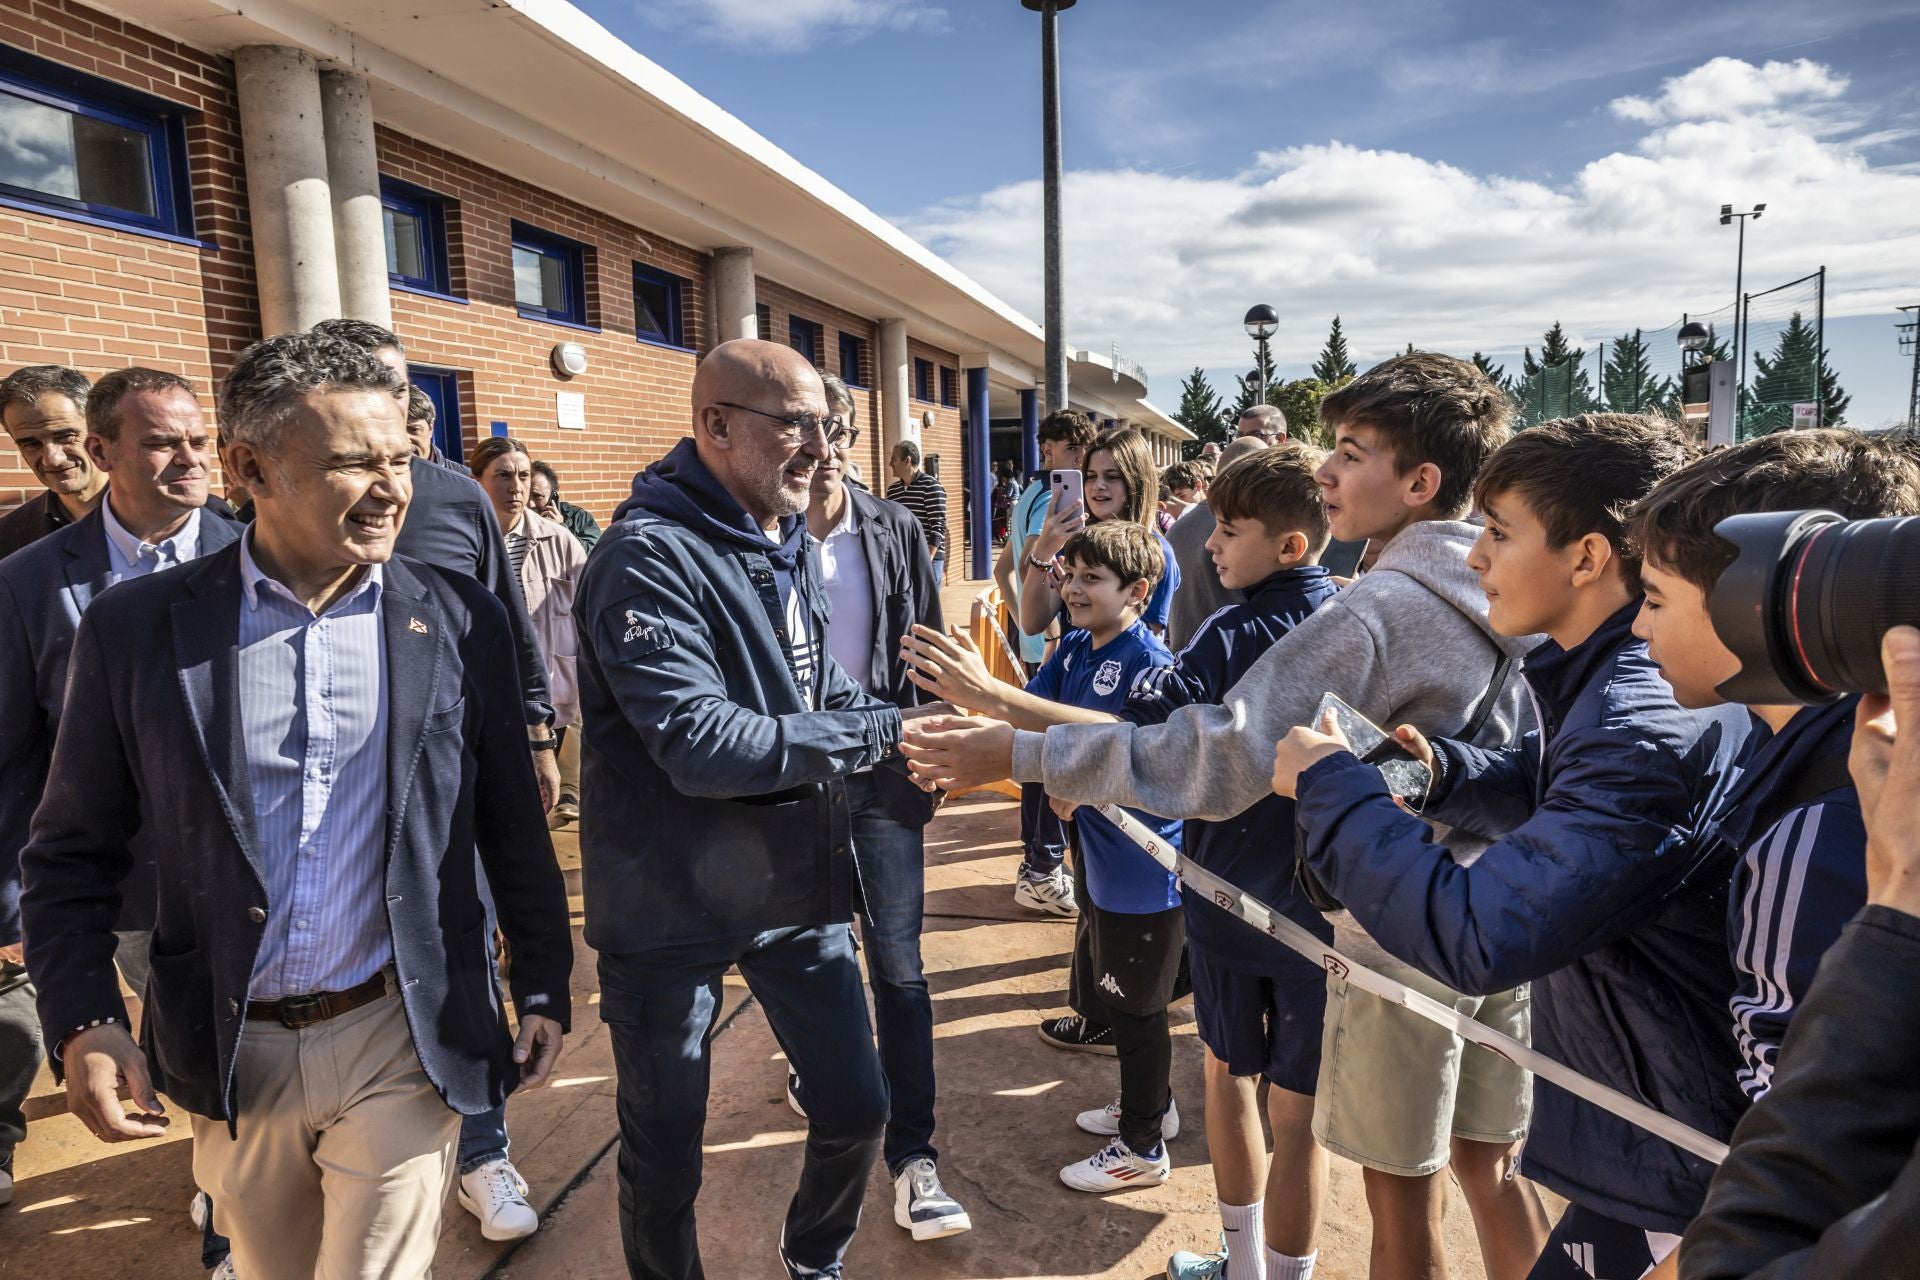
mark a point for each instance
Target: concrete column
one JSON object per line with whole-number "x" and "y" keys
{"x": 893, "y": 371}
{"x": 1029, "y": 433}
{"x": 730, "y": 286}
{"x": 287, "y": 198}
{"x": 353, "y": 183}
{"x": 979, "y": 477}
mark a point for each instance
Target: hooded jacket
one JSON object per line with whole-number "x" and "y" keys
{"x": 714, "y": 786}
{"x": 1608, "y": 892}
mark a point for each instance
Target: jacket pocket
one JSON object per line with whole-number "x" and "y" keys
{"x": 177, "y": 1022}
{"x": 445, "y": 718}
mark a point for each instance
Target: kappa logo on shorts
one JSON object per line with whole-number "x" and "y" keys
{"x": 1108, "y": 985}
{"x": 637, "y": 628}
{"x": 1337, "y": 969}
{"x": 1223, "y": 900}
{"x": 1107, "y": 678}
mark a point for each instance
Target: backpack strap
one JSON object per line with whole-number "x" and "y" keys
{"x": 1483, "y": 709}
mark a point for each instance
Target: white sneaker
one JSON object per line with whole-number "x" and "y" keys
{"x": 922, "y": 1205}
{"x": 1051, "y": 893}
{"x": 1115, "y": 1167}
{"x": 496, "y": 1194}
{"x": 224, "y": 1271}
{"x": 1105, "y": 1121}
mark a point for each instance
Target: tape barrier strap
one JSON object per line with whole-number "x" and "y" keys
{"x": 1253, "y": 912}
{"x": 989, "y": 604}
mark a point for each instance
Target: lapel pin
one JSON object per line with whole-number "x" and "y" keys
{"x": 416, "y": 626}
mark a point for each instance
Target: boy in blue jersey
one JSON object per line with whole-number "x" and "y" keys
{"x": 1795, "y": 817}
{"x": 1259, "y": 1006}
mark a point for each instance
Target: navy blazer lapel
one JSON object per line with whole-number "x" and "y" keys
{"x": 415, "y": 636}
{"x": 89, "y": 563}
{"x": 874, "y": 534}
{"x": 206, "y": 646}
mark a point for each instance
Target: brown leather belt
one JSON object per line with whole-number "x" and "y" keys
{"x": 296, "y": 1012}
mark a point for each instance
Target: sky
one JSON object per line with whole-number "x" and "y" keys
{"x": 1457, "y": 174}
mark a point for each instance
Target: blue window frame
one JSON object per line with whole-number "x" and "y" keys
{"x": 805, "y": 336}
{"x": 922, "y": 379}
{"x": 442, "y": 386}
{"x": 853, "y": 362}
{"x": 949, "y": 386}
{"x": 657, "y": 312}
{"x": 85, "y": 148}
{"x": 416, "y": 232}
{"x": 549, "y": 276}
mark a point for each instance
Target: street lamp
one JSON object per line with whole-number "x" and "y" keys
{"x": 1262, "y": 322}
{"x": 1056, "y": 307}
{"x": 1739, "y": 297}
{"x": 1692, "y": 339}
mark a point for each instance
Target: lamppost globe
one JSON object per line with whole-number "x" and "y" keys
{"x": 1262, "y": 322}
{"x": 1692, "y": 336}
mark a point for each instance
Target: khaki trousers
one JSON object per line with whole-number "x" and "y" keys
{"x": 343, "y": 1153}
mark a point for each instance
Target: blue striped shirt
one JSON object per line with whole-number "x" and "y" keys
{"x": 313, "y": 702}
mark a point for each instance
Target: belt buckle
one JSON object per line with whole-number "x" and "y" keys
{"x": 297, "y": 1012}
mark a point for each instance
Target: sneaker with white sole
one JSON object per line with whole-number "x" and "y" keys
{"x": 1117, "y": 1167}
{"x": 496, "y": 1194}
{"x": 224, "y": 1271}
{"x": 1105, "y": 1121}
{"x": 922, "y": 1205}
{"x": 1186, "y": 1265}
{"x": 1051, "y": 893}
{"x": 793, "y": 1095}
{"x": 1079, "y": 1035}
{"x": 797, "y": 1272}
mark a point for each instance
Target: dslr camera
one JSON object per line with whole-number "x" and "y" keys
{"x": 1807, "y": 599}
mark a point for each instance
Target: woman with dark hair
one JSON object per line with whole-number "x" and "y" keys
{"x": 1122, "y": 483}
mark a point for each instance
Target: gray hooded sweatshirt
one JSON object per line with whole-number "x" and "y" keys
{"x": 1406, "y": 644}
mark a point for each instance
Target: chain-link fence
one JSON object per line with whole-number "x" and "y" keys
{"x": 1784, "y": 380}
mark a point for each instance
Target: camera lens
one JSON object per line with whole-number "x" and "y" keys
{"x": 1806, "y": 601}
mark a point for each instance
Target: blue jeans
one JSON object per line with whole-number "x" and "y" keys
{"x": 891, "y": 857}
{"x": 1043, "y": 840}
{"x": 661, "y": 1008}
{"x": 483, "y": 1138}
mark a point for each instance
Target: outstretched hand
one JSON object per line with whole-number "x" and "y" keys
{"x": 950, "y": 668}
{"x": 954, "y": 753}
{"x": 100, "y": 1062}
{"x": 1301, "y": 749}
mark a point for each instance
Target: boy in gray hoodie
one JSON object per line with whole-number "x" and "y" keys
{"x": 1409, "y": 642}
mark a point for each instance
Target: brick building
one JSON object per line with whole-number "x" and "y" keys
{"x": 556, "y": 226}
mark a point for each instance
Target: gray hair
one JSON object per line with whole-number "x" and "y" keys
{"x": 364, "y": 334}
{"x": 909, "y": 450}
{"x": 1273, "y": 423}
{"x": 420, "y": 406}
{"x": 28, "y": 383}
{"x": 267, "y": 383}
{"x": 837, "y": 394}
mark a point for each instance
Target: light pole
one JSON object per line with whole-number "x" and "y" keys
{"x": 1261, "y": 323}
{"x": 1910, "y": 345}
{"x": 1056, "y": 307}
{"x": 1739, "y": 285}
{"x": 1692, "y": 339}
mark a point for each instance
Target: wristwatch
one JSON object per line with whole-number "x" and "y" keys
{"x": 549, "y": 743}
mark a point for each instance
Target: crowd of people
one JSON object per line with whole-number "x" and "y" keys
{"x": 247, "y": 743}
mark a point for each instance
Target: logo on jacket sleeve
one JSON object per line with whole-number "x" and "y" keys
{"x": 1107, "y": 678}
{"x": 638, "y": 628}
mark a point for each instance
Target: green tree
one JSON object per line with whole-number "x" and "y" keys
{"x": 1628, "y": 382}
{"x": 1557, "y": 384}
{"x": 1201, "y": 412}
{"x": 1334, "y": 362}
{"x": 1300, "y": 401}
{"x": 1796, "y": 372}
{"x": 1250, "y": 382}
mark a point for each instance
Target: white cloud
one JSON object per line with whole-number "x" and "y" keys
{"x": 1409, "y": 249}
{"x": 790, "y": 26}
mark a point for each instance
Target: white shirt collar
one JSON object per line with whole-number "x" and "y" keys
{"x": 178, "y": 549}
{"x": 848, "y": 523}
{"x": 253, "y": 578}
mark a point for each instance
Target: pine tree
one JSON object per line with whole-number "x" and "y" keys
{"x": 1200, "y": 412}
{"x": 1627, "y": 381}
{"x": 1250, "y": 382}
{"x": 1496, "y": 374}
{"x": 1409, "y": 351}
{"x": 1797, "y": 372}
{"x": 1556, "y": 385}
{"x": 1334, "y": 362}
{"x": 1717, "y": 348}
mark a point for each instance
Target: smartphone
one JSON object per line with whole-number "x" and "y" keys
{"x": 1406, "y": 778}
{"x": 1068, "y": 486}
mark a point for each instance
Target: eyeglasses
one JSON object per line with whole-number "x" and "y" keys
{"x": 802, "y": 425}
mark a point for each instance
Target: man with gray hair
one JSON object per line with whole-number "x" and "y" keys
{"x": 309, "y": 733}
{"x": 1264, "y": 421}
{"x": 43, "y": 407}
{"x": 921, "y": 494}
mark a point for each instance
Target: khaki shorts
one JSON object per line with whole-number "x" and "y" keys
{"x": 1394, "y": 1087}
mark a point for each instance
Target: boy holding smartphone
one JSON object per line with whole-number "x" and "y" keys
{"x": 1602, "y": 892}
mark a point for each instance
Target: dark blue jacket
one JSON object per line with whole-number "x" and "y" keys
{"x": 1608, "y": 893}
{"x": 151, "y": 765}
{"x": 1801, "y": 876}
{"x": 713, "y": 795}
{"x": 1255, "y": 849}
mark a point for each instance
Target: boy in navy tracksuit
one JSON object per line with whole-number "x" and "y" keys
{"x": 1603, "y": 891}
{"x": 1259, "y": 1006}
{"x": 1794, "y": 818}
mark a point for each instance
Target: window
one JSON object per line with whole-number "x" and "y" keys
{"x": 949, "y": 386}
{"x": 763, "y": 322}
{"x": 442, "y": 387}
{"x": 416, "y": 230}
{"x": 922, "y": 379}
{"x": 804, "y": 336}
{"x": 80, "y": 147}
{"x": 657, "y": 315}
{"x": 853, "y": 360}
{"x": 549, "y": 276}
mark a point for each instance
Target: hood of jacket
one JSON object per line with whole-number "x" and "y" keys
{"x": 679, "y": 488}
{"x": 1434, "y": 554}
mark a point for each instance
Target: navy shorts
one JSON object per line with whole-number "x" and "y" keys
{"x": 1262, "y": 1024}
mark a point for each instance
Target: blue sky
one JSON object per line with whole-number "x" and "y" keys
{"x": 1455, "y": 175}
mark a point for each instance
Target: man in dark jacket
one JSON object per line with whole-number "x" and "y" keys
{"x": 879, "y": 581}
{"x": 44, "y": 407}
{"x": 719, "y": 735}
{"x": 1600, "y": 891}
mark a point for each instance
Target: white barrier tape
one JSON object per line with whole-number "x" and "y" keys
{"x": 989, "y": 606}
{"x": 1252, "y": 911}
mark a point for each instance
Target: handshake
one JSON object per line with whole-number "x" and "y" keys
{"x": 947, "y": 750}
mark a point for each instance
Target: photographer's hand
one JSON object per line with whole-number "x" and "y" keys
{"x": 1886, "y": 769}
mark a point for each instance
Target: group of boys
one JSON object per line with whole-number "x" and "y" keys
{"x": 1609, "y": 859}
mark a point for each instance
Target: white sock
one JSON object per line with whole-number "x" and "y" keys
{"x": 1246, "y": 1229}
{"x": 1284, "y": 1266}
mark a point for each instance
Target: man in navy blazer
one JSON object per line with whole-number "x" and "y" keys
{"x": 308, "y": 742}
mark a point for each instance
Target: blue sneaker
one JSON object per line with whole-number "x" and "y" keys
{"x": 1198, "y": 1266}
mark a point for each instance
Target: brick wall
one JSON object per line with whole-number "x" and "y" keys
{"x": 945, "y": 437}
{"x": 102, "y": 299}
{"x": 781, "y": 305}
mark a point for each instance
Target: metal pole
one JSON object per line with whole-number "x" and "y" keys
{"x": 1262, "y": 371}
{"x": 1056, "y": 319}
{"x": 1740, "y": 325}
{"x": 1820, "y": 352}
{"x": 1913, "y": 387}
{"x": 979, "y": 476}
